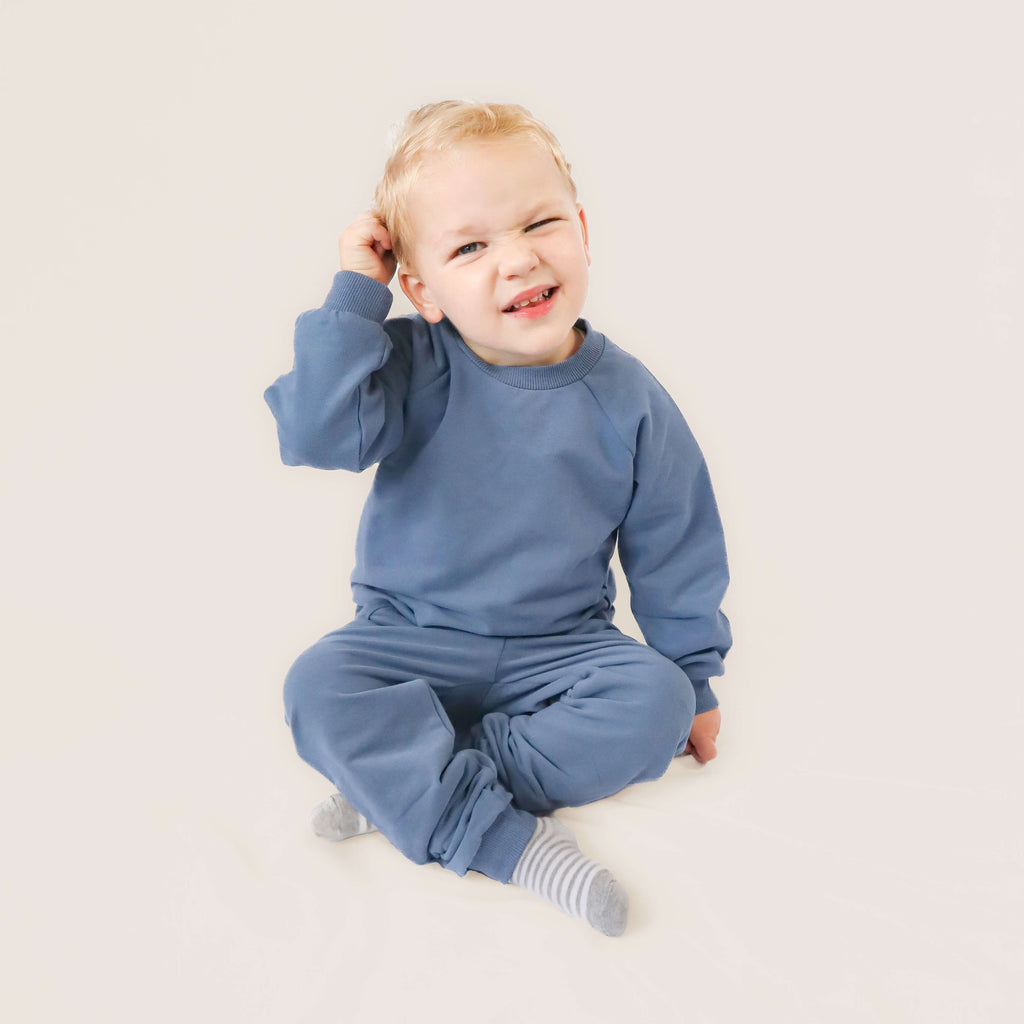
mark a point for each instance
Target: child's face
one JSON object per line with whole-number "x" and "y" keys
{"x": 495, "y": 225}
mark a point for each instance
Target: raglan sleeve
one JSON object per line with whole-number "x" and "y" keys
{"x": 672, "y": 548}
{"x": 341, "y": 406}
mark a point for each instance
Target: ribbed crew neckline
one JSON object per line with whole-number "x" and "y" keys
{"x": 543, "y": 378}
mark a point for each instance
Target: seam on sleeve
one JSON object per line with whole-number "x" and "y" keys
{"x": 359, "y": 400}
{"x": 604, "y": 412}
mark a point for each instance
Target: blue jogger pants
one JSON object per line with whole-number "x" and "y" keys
{"x": 450, "y": 742}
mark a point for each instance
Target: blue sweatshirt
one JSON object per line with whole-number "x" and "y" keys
{"x": 501, "y": 491}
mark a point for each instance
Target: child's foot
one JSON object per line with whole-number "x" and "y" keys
{"x": 553, "y": 868}
{"x": 337, "y": 819}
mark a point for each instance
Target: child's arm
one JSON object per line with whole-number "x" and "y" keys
{"x": 342, "y": 404}
{"x": 672, "y": 549}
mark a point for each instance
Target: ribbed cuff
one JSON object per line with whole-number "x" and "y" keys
{"x": 359, "y": 294}
{"x": 503, "y": 844}
{"x": 706, "y": 699}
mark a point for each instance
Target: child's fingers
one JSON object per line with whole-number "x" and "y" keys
{"x": 381, "y": 235}
{"x": 369, "y": 230}
{"x": 365, "y": 247}
{"x": 703, "y": 748}
{"x": 707, "y": 750}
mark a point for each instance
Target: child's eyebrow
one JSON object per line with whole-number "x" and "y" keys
{"x": 469, "y": 231}
{"x": 530, "y": 214}
{"x": 475, "y": 231}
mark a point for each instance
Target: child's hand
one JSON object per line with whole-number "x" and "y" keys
{"x": 703, "y": 735}
{"x": 365, "y": 248}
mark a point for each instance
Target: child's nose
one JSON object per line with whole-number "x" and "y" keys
{"x": 517, "y": 258}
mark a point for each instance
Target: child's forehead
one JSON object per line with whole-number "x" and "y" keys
{"x": 486, "y": 171}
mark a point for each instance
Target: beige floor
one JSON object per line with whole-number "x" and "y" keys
{"x": 159, "y": 872}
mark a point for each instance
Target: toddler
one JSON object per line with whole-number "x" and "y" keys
{"x": 482, "y": 684}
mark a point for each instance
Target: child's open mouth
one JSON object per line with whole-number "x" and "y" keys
{"x": 531, "y": 303}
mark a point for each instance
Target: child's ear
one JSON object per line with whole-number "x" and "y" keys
{"x": 419, "y": 296}
{"x": 583, "y": 228}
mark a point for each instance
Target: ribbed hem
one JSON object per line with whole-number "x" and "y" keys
{"x": 503, "y": 844}
{"x": 544, "y": 378}
{"x": 359, "y": 294}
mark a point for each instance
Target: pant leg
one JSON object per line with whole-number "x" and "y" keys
{"x": 575, "y": 718}
{"x": 365, "y": 708}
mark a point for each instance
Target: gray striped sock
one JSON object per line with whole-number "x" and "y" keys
{"x": 337, "y": 819}
{"x": 553, "y": 868}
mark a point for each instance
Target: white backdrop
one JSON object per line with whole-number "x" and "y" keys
{"x": 807, "y": 219}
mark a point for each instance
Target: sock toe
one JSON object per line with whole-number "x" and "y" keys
{"x": 336, "y": 819}
{"x": 326, "y": 820}
{"x": 607, "y": 905}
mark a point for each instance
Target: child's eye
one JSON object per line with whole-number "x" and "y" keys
{"x": 542, "y": 223}
{"x": 465, "y": 250}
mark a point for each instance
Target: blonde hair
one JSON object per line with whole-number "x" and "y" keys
{"x": 439, "y": 128}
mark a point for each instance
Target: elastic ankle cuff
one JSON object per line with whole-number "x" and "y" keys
{"x": 503, "y": 844}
